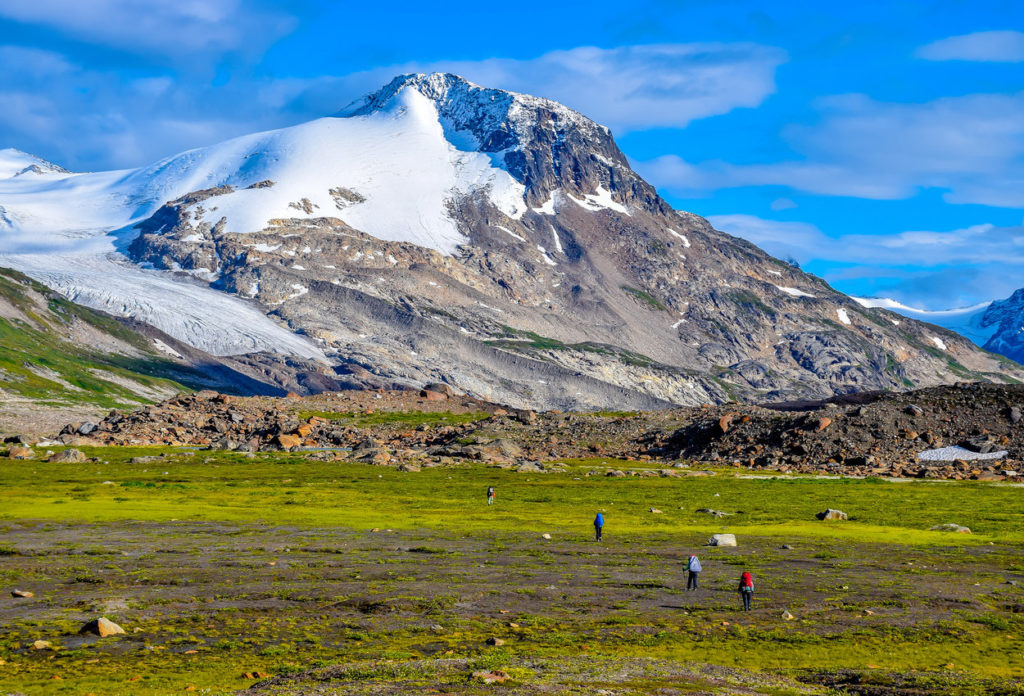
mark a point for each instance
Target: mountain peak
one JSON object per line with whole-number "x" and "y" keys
{"x": 544, "y": 145}
{"x": 495, "y": 117}
{"x": 14, "y": 162}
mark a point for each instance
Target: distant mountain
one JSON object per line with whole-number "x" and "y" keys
{"x": 436, "y": 230}
{"x": 996, "y": 326}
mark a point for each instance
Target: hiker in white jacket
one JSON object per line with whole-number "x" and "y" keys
{"x": 692, "y": 570}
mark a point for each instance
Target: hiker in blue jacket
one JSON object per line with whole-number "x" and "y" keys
{"x": 598, "y": 526}
{"x": 692, "y": 570}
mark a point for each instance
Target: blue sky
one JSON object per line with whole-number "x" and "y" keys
{"x": 880, "y": 144}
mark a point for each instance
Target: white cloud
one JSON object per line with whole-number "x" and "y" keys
{"x": 977, "y": 244}
{"x": 625, "y": 88}
{"x": 989, "y": 46}
{"x": 972, "y": 147}
{"x": 783, "y": 204}
{"x": 88, "y": 118}
{"x": 925, "y": 269}
{"x": 179, "y": 29}
{"x": 637, "y": 87}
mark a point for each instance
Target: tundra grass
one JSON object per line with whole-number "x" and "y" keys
{"x": 229, "y": 565}
{"x": 278, "y": 487}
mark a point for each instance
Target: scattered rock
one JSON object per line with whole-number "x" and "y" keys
{"x": 255, "y": 675}
{"x": 722, "y": 540}
{"x": 914, "y": 410}
{"x": 22, "y": 594}
{"x": 87, "y": 428}
{"x": 42, "y": 645}
{"x": 72, "y": 456}
{"x": 656, "y": 511}
{"x": 409, "y": 466}
{"x": 497, "y": 642}
{"x": 492, "y": 677}
{"x": 725, "y": 422}
{"x": 545, "y": 536}
{"x": 787, "y": 616}
{"x": 1015, "y": 415}
{"x": 830, "y": 514}
{"x": 101, "y": 627}
{"x": 822, "y": 423}
{"x": 950, "y": 527}
{"x": 20, "y": 453}
{"x": 287, "y": 441}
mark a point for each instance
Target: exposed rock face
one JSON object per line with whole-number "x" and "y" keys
{"x": 598, "y": 295}
{"x": 1008, "y": 316}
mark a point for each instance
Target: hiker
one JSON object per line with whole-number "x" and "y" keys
{"x": 598, "y": 526}
{"x": 490, "y": 495}
{"x": 746, "y": 589}
{"x": 692, "y": 570}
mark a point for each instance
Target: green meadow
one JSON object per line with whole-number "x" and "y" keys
{"x": 223, "y": 567}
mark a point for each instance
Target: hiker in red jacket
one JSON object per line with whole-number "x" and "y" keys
{"x": 746, "y": 589}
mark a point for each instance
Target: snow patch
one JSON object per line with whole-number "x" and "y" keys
{"x": 938, "y": 342}
{"x": 548, "y": 207}
{"x": 544, "y": 255}
{"x": 682, "y": 237}
{"x": 796, "y": 292}
{"x": 163, "y": 347}
{"x": 951, "y": 454}
{"x": 601, "y": 200}
{"x": 510, "y": 232}
{"x": 843, "y": 316}
{"x": 558, "y": 242}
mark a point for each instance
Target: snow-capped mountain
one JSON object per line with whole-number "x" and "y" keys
{"x": 996, "y": 326}
{"x": 438, "y": 230}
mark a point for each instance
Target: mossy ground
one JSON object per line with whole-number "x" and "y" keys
{"x": 219, "y": 565}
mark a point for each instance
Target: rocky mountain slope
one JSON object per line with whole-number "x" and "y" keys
{"x": 440, "y": 231}
{"x": 55, "y": 353}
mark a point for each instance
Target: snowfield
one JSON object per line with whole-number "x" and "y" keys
{"x": 390, "y": 173}
{"x": 965, "y": 321}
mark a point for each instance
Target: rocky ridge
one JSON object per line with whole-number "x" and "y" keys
{"x": 879, "y": 434}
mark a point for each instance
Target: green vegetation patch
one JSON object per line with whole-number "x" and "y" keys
{"x": 645, "y": 297}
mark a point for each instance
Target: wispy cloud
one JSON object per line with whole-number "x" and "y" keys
{"x": 972, "y": 147}
{"x": 624, "y": 88}
{"x": 184, "y": 29}
{"x": 947, "y": 268}
{"x": 988, "y": 46}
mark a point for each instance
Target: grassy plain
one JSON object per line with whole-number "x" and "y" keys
{"x": 220, "y": 565}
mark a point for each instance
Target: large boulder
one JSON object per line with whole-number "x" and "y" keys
{"x": 831, "y": 515}
{"x": 950, "y": 527}
{"x": 287, "y": 442}
{"x": 101, "y": 627}
{"x": 21, "y": 453}
{"x": 722, "y": 540}
{"x": 69, "y": 456}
